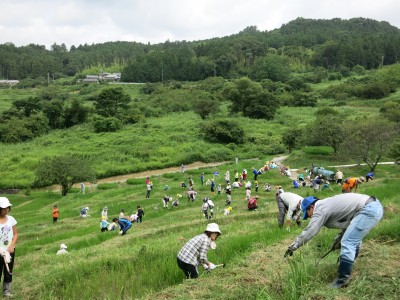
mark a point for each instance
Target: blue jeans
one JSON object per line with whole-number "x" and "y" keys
{"x": 366, "y": 219}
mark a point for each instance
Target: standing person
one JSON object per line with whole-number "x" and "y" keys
{"x": 204, "y": 208}
{"x": 256, "y": 186}
{"x": 122, "y": 213}
{"x": 212, "y": 187}
{"x": 148, "y": 190}
{"x": 83, "y": 188}
{"x": 55, "y": 214}
{"x": 248, "y": 194}
{"x": 202, "y": 178}
{"x": 369, "y": 176}
{"x": 255, "y": 172}
{"x": 244, "y": 174}
{"x": 103, "y": 224}
{"x": 227, "y": 177}
{"x": 352, "y": 183}
{"x": 195, "y": 251}
{"x": 183, "y": 168}
{"x": 104, "y": 212}
{"x": 140, "y": 213}
{"x": 289, "y": 204}
{"x": 219, "y": 189}
{"x": 339, "y": 177}
{"x": 9, "y": 237}
{"x": 236, "y": 176}
{"x": 124, "y": 225}
{"x": 355, "y": 214}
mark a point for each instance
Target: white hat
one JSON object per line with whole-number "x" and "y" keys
{"x": 4, "y": 202}
{"x": 63, "y": 246}
{"x": 86, "y": 207}
{"x": 213, "y": 227}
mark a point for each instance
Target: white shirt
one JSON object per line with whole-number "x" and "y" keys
{"x": 291, "y": 200}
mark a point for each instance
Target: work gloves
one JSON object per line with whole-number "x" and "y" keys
{"x": 289, "y": 251}
{"x": 209, "y": 268}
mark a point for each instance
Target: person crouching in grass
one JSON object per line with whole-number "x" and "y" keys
{"x": 194, "y": 252}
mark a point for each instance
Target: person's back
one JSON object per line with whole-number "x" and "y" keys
{"x": 349, "y": 184}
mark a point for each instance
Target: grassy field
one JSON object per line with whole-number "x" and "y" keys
{"x": 142, "y": 264}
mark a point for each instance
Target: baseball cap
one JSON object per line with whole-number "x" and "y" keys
{"x": 4, "y": 202}
{"x": 305, "y": 203}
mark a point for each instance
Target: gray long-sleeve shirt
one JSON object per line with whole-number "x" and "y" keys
{"x": 333, "y": 212}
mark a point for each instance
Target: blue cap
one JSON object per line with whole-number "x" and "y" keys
{"x": 307, "y": 201}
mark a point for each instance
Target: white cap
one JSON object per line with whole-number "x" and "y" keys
{"x": 63, "y": 246}
{"x": 213, "y": 227}
{"x": 4, "y": 202}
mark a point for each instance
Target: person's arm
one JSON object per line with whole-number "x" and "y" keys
{"x": 205, "y": 245}
{"x": 317, "y": 221}
{"x": 11, "y": 248}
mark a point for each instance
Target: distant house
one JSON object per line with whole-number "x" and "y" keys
{"x": 109, "y": 77}
{"x": 91, "y": 79}
{"x": 9, "y": 82}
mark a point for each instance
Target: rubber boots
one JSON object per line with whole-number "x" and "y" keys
{"x": 344, "y": 272}
{"x": 7, "y": 289}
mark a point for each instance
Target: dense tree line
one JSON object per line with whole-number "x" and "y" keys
{"x": 335, "y": 44}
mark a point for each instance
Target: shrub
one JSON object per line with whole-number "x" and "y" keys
{"x": 223, "y": 131}
{"x": 109, "y": 124}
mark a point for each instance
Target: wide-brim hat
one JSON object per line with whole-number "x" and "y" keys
{"x": 63, "y": 246}
{"x": 213, "y": 227}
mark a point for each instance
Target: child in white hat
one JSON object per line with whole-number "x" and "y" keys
{"x": 8, "y": 239}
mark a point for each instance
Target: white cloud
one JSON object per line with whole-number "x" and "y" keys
{"x": 75, "y": 22}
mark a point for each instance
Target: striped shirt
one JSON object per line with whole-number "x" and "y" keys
{"x": 195, "y": 250}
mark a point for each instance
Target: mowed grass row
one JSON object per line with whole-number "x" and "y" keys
{"x": 106, "y": 265}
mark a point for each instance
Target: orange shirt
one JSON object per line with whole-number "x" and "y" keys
{"x": 55, "y": 213}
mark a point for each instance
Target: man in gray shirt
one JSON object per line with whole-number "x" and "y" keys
{"x": 355, "y": 214}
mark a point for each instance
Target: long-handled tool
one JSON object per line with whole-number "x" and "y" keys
{"x": 220, "y": 265}
{"x": 335, "y": 246}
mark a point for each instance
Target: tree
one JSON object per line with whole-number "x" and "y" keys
{"x": 224, "y": 131}
{"x": 204, "y": 107}
{"x": 291, "y": 137}
{"x": 251, "y": 99}
{"x": 65, "y": 171}
{"x": 112, "y": 102}
{"x": 327, "y": 129}
{"x": 368, "y": 140}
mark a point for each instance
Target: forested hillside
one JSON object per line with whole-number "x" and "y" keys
{"x": 301, "y": 45}
{"x": 310, "y": 83}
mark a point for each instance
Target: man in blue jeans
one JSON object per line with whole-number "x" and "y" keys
{"x": 355, "y": 214}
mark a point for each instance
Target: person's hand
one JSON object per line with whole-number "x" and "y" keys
{"x": 337, "y": 241}
{"x": 289, "y": 252}
{"x": 212, "y": 266}
{"x": 205, "y": 266}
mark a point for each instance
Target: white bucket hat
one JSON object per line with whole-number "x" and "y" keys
{"x": 63, "y": 246}
{"x": 4, "y": 202}
{"x": 213, "y": 227}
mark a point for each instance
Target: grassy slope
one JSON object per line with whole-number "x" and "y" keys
{"x": 142, "y": 263}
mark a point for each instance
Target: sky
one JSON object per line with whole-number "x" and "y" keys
{"x": 45, "y": 22}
